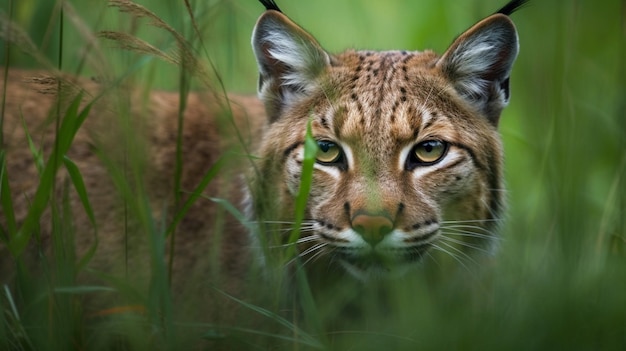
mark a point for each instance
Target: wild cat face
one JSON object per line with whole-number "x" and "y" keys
{"x": 408, "y": 153}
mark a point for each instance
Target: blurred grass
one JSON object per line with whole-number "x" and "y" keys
{"x": 559, "y": 280}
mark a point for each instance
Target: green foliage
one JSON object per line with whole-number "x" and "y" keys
{"x": 310, "y": 150}
{"x": 72, "y": 121}
{"x": 557, "y": 282}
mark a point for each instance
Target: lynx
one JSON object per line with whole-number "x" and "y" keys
{"x": 405, "y": 157}
{"x": 408, "y": 153}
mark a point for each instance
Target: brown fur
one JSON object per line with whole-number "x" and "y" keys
{"x": 377, "y": 107}
{"x": 104, "y": 147}
{"x": 376, "y": 209}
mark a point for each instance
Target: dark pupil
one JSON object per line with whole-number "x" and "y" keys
{"x": 428, "y": 147}
{"x": 324, "y": 146}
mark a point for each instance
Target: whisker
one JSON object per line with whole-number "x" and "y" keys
{"x": 316, "y": 247}
{"x": 462, "y": 227}
{"x": 318, "y": 252}
{"x": 303, "y": 229}
{"x": 316, "y": 255}
{"x": 467, "y": 257}
{"x": 278, "y": 222}
{"x": 471, "y": 234}
{"x": 312, "y": 249}
{"x": 455, "y": 257}
{"x": 433, "y": 259}
{"x": 472, "y": 221}
{"x": 486, "y": 238}
{"x": 305, "y": 239}
{"x": 464, "y": 244}
{"x": 302, "y": 240}
{"x": 492, "y": 211}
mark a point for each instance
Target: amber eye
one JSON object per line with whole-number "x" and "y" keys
{"x": 328, "y": 152}
{"x": 427, "y": 153}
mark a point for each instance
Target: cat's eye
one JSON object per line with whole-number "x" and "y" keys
{"x": 328, "y": 152}
{"x": 427, "y": 153}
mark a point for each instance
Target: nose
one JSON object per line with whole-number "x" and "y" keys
{"x": 372, "y": 228}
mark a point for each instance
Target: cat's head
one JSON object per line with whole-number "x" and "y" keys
{"x": 408, "y": 153}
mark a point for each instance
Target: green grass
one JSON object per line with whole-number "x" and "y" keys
{"x": 558, "y": 281}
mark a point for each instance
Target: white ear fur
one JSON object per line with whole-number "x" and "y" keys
{"x": 479, "y": 64}
{"x": 290, "y": 60}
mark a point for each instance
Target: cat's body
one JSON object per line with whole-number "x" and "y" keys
{"x": 408, "y": 159}
{"x": 124, "y": 161}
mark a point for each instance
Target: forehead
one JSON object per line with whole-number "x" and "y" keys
{"x": 377, "y": 76}
{"x": 384, "y": 96}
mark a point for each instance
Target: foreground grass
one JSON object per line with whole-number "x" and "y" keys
{"x": 558, "y": 280}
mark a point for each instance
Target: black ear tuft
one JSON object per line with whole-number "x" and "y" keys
{"x": 270, "y": 5}
{"x": 512, "y": 6}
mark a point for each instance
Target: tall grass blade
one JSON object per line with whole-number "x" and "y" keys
{"x": 5, "y": 77}
{"x": 34, "y": 150}
{"x": 121, "y": 285}
{"x": 186, "y": 54}
{"x": 92, "y": 51}
{"x": 12, "y": 33}
{"x": 306, "y": 337}
{"x": 80, "y": 290}
{"x": 16, "y": 335}
{"x": 67, "y": 131}
{"x": 225, "y": 103}
{"x": 234, "y": 212}
{"x": 183, "y": 93}
{"x": 216, "y": 335}
{"x": 61, "y": 38}
{"x": 79, "y": 185}
{"x": 310, "y": 150}
{"x": 136, "y": 45}
{"x": 195, "y": 194}
{"x": 5, "y": 199}
{"x": 160, "y": 300}
{"x": 306, "y": 300}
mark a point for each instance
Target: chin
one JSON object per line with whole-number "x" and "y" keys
{"x": 373, "y": 271}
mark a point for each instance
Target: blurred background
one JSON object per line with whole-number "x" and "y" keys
{"x": 559, "y": 279}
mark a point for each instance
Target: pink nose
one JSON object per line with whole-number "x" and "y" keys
{"x": 372, "y": 228}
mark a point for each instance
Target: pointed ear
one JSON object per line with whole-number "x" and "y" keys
{"x": 479, "y": 64}
{"x": 290, "y": 60}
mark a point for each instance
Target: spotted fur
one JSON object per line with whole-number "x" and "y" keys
{"x": 377, "y": 209}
